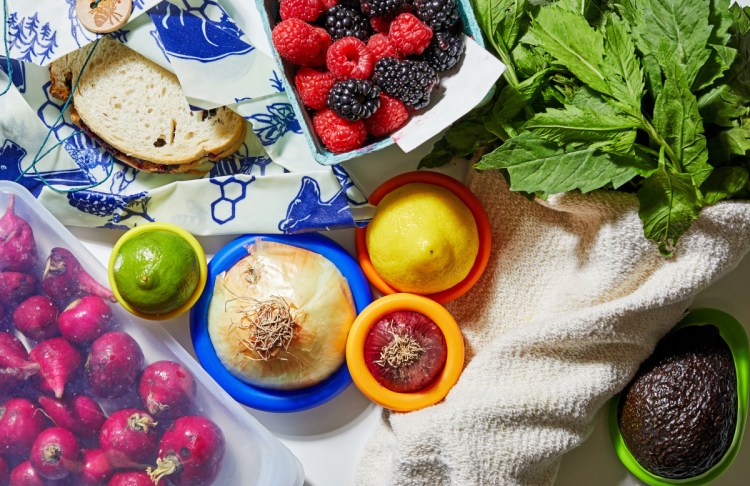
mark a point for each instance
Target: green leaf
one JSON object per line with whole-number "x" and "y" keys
{"x": 669, "y": 203}
{"x": 539, "y": 166}
{"x": 573, "y": 43}
{"x": 573, "y": 124}
{"x": 621, "y": 67}
{"x": 741, "y": 19}
{"x": 721, "y": 18}
{"x": 722, "y": 105}
{"x": 678, "y": 121}
{"x": 720, "y": 59}
{"x": 466, "y": 136}
{"x": 723, "y": 183}
{"x": 652, "y": 70}
{"x": 734, "y": 142}
{"x": 529, "y": 61}
{"x": 513, "y": 99}
{"x": 439, "y": 156}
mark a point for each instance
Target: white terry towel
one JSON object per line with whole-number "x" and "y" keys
{"x": 573, "y": 300}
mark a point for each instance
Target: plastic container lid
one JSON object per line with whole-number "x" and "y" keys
{"x": 734, "y": 335}
{"x": 266, "y": 399}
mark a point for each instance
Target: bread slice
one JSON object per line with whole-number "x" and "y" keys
{"x": 139, "y": 112}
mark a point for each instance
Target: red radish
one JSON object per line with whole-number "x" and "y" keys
{"x": 133, "y": 478}
{"x": 36, "y": 318}
{"x": 17, "y": 244}
{"x": 15, "y": 287}
{"x": 98, "y": 465}
{"x": 25, "y": 475}
{"x": 55, "y": 453}
{"x": 58, "y": 361}
{"x": 190, "y": 452}
{"x": 81, "y": 415}
{"x": 113, "y": 364}
{"x": 15, "y": 366}
{"x": 84, "y": 319}
{"x": 64, "y": 278}
{"x": 130, "y": 431}
{"x": 405, "y": 351}
{"x": 4, "y": 472}
{"x": 167, "y": 389}
{"x": 21, "y": 421}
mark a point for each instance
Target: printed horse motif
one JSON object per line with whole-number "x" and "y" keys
{"x": 308, "y": 212}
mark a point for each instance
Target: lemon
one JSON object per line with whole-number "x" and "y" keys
{"x": 422, "y": 239}
{"x": 156, "y": 271}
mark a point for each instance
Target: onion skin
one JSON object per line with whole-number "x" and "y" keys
{"x": 429, "y": 358}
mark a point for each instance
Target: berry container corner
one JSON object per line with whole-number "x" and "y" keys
{"x": 269, "y": 13}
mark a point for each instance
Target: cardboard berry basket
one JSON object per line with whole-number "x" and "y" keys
{"x": 269, "y": 13}
{"x": 253, "y": 456}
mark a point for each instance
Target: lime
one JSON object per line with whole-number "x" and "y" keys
{"x": 156, "y": 271}
{"x": 422, "y": 239}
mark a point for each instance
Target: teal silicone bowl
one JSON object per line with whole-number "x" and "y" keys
{"x": 269, "y": 12}
{"x": 736, "y": 338}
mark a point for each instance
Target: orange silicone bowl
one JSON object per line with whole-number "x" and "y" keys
{"x": 369, "y": 386}
{"x": 463, "y": 193}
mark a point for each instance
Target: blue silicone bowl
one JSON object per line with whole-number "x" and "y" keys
{"x": 265, "y": 399}
{"x": 269, "y": 12}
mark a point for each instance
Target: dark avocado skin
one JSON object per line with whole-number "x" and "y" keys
{"x": 678, "y": 415}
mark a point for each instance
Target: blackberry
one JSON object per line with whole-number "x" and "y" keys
{"x": 444, "y": 51}
{"x": 438, "y": 14}
{"x": 344, "y": 22}
{"x": 410, "y": 81}
{"x": 354, "y": 99}
{"x": 382, "y": 8}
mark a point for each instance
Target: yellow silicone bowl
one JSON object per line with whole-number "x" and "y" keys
{"x": 199, "y": 254}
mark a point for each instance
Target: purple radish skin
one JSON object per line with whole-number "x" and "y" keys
{"x": 4, "y": 472}
{"x": 81, "y": 415}
{"x": 55, "y": 453}
{"x": 98, "y": 466}
{"x": 64, "y": 278}
{"x": 17, "y": 245}
{"x": 130, "y": 431}
{"x": 190, "y": 452}
{"x": 25, "y": 475}
{"x": 21, "y": 421}
{"x": 15, "y": 366}
{"x": 15, "y": 287}
{"x": 58, "y": 361}
{"x": 85, "y": 319}
{"x": 167, "y": 389}
{"x": 36, "y": 318}
{"x": 113, "y": 365}
{"x": 133, "y": 478}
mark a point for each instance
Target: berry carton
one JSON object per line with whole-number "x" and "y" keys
{"x": 332, "y": 137}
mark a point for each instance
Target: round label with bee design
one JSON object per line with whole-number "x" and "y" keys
{"x": 103, "y": 16}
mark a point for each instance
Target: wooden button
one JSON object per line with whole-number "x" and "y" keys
{"x": 103, "y": 17}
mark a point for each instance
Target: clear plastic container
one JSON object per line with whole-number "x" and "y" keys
{"x": 253, "y": 455}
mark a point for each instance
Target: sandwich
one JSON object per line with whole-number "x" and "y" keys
{"x": 137, "y": 111}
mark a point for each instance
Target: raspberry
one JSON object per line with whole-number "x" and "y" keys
{"x": 307, "y": 10}
{"x": 381, "y": 47}
{"x": 329, "y": 3}
{"x": 339, "y": 134}
{"x": 444, "y": 51}
{"x": 438, "y": 14}
{"x": 300, "y": 43}
{"x": 381, "y": 24}
{"x": 410, "y": 81}
{"x": 409, "y": 35}
{"x": 313, "y": 87}
{"x": 349, "y": 58}
{"x": 341, "y": 22}
{"x": 354, "y": 99}
{"x": 391, "y": 116}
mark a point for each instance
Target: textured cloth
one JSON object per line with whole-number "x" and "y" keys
{"x": 573, "y": 300}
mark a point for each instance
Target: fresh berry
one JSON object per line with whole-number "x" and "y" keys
{"x": 308, "y": 10}
{"x": 341, "y": 22}
{"x": 339, "y": 134}
{"x": 349, "y": 58}
{"x": 409, "y": 35}
{"x": 390, "y": 117}
{"x": 438, "y": 14}
{"x": 300, "y": 43}
{"x": 381, "y": 24}
{"x": 410, "y": 81}
{"x": 381, "y": 47}
{"x": 444, "y": 51}
{"x": 326, "y": 4}
{"x": 382, "y": 8}
{"x": 354, "y": 99}
{"x": 313, "y": 87}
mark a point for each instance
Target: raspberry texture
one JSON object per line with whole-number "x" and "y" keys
{"x": 338, "y": 134}
{"x": 300, "y": 43}
{"x": 308, "y": 10}
{"x": 409, "y": 35}
{"x": 381, "y": 24}
{"x": 382, "y": 8}
{"x": 410, "y": 81}
{"x": 438, "y": 14}
{"x": 391, "y": 116}
{"x": 341, "y": 22}
{"x": 313, "y": 87}
{"x": 349, "y": 58}
{"x": 444, "y": 51}
{"x": 354, "y": 99}
{"x": 381, "y": 47}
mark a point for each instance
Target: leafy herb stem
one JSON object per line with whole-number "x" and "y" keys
{"x": 654, "y": 135}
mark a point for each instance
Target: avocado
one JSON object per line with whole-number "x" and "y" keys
{"x": 678, "y": 415}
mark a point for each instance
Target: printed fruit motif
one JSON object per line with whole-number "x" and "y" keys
{"x": 422, "y": 239}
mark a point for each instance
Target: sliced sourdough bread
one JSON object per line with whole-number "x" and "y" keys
{"x": 139, "y": 113}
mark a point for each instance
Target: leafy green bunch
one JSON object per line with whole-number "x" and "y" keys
{"x": 646, "y": 96}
